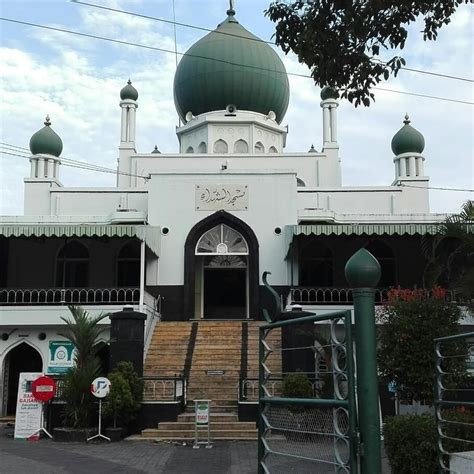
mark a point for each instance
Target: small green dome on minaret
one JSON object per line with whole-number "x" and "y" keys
{"x": 328, "y": 92}
{"x": 408, "y": 139}
{"x": 129, "y": 92}
{"x": 46, "y": 141}
{"x": 231, "y": 66}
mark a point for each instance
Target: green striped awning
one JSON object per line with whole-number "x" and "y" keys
{"x": 365, "y": 229}
{"x": 148, "y": 234}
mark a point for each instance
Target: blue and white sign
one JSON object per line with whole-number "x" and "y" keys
{"x": 100, "y": 387}
{"x": 61, "y": 357}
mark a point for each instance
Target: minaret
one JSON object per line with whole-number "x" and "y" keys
{"x": 46, "y": 147}
{"x": 407, "y": 146}
{"x": 129, "y": 105}
{"x": 329, "y": 104}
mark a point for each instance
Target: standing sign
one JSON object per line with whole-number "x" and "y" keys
{"x": 43, "y": 388}
{"x": 202, "y": 413}
{"x": 61, "y": 357}
{"x": 100, "y": 388}
{"x": 28, "y": 409}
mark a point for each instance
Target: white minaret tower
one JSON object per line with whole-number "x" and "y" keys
{"x": 329, "y": 104}
{"x": 129, "y": 105}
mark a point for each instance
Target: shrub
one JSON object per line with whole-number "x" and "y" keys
{"x": 409, "y": 324}
{"x": 297, "y": 386}
{"x": 123, "y": 401}
{"x": 410, "y": 444}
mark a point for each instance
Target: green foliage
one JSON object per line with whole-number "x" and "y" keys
{"x": 82, "y": 331}
{"x": 343, "y": 43}
{"x": 297, "y": 386}
{"x": 123, "y": 401}
{"x": 450, "y": 255}
{"x": 461, "y": 427}
{"x": 409, "y": 324}
{"x": 410, "y": 444}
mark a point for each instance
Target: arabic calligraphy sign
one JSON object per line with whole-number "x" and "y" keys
{"x": 230, "y": 197}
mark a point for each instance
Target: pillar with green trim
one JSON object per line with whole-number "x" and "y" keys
{"x": 363, "y": 273}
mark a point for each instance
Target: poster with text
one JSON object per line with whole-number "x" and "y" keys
{"x": 61, "y": 357}
{"x": 28, "y": 409}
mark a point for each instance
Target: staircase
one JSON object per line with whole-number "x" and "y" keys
{"x": 213, "y": 356}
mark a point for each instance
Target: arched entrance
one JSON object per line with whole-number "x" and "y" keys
{"x": 22, "y": 358}
{"x": 221, "y": 269}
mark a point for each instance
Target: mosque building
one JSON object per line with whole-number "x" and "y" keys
{"x": 185, "y": 237}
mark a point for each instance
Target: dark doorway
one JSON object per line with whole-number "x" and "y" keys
{"x": 225, "y": 295}
{"x": 22, "y": 358}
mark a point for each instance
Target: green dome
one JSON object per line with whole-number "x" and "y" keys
{"x": 46, "y": 141}
{"x": 407, "y": 140}
{"x": 242, "y": 70}
{"x": 129, "y": 92}
{"x": 328, "y": 92}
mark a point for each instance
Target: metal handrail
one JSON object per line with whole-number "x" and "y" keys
{"x": 164, "y": 388}
{"x": 61, "y": 296}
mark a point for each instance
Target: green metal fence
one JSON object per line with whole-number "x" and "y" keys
{"x": 317, "y": 433}
{"x": 454, "y": 401}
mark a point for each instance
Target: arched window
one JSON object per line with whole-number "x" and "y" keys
{"x": 72, "y": 266}
{"x": 202, "y": 148}
{"x": 190, "y": 149}
{"x": 220, "y": 240}
{"x": 316, "y": 265}
{"x": 221, "y": 147}
{"x": 384, "y": 254}
{"x": 241, "y": 146}
{"x": 128, "y": 264}
{"x": 259, "y": 148}
{"x": 272, "y": 149}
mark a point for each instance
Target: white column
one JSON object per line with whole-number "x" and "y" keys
{"x": 333, "y": 113}
{"x": 33, "y": 167}
{"x": 142, "y": 273}
{"x": 419, "y": 161}
{"x": 41, "y": 167}
{"x": 123, "y": 132}
{"x": 131, "y": 124}
{"x": 411, "y": 166}
{"x": 326, "y": 123}
{"x": 403, "y": 167}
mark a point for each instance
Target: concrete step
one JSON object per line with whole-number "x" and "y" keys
{"x": 215, "y": 417}
{"x": 189, "y": 434}
{"x": 215, "y": 425}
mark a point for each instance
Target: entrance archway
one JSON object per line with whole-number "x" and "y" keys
{"x": 221, "y": 269}
{"x": 22, "y": 358}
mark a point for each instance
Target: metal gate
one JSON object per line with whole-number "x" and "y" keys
{"x": 316, "y": 432}
{"x": 454, "y": 401}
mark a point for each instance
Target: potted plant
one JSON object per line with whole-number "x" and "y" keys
{"x": 83, "y": 331}
{"x": 123, "y": 402}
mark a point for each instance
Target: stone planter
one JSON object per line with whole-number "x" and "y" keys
{"x": 73, "y": 434}
{"x": 115, "y": 434}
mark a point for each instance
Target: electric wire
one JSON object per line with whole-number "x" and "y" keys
{"x": 272, "y": 43}
{"x": 153, "y": 48}
{"x": 90, "y": 167}
{"x": 80, "y": 165}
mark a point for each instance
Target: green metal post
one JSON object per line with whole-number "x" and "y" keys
{"x": 363, "y": 273}
{"x": 261, "y": 353}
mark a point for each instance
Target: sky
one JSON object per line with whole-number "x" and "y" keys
{"x": 77, "y": 80}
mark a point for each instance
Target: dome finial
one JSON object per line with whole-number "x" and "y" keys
{"x": 407, "y": 119}
{"x": 129, "y": 82}
{"x": 231, "y": 10}
{"x": 47, "y": 120}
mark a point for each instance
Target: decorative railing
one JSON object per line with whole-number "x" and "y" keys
{"x": 248, "y": 389}
{"x": 58, "y": 296}
{"x": 329, "y": 295}
{"x": 163, "y": 389}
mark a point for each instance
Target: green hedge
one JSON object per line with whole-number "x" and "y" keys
{"x": 410, "y": 444}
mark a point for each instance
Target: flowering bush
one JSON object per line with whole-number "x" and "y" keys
{"x": 410, "y": 321}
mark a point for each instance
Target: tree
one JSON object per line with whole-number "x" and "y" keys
{"x": 341, "y": 41}
{"x": 450, "y": 255}
{"x": 83, "y": 331}
{"x": 410, "y": 322}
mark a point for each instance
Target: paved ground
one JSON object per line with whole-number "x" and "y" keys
{"x": 46, "y": 457}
